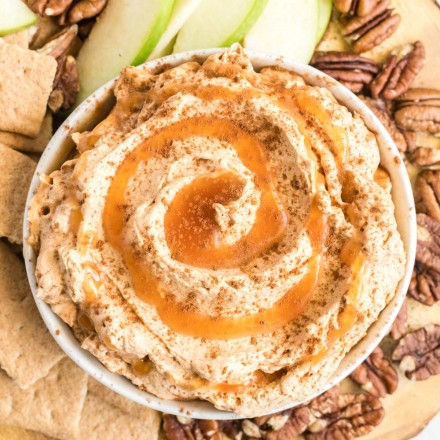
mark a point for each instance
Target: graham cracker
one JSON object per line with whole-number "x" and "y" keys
{"x": 21, "y": 38}
{"x": 150, "y": 416}
{"x": 101, "y": 420}
{"x": 26, "y": 83}
{"x": 14, "y": 433}
{"x": 26, "y": 143}
{"x": 51, "y": 406}
{"x": 15, "y": 177}
{"x": 27, "y": 350}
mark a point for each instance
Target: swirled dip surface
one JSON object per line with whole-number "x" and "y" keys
{"x": 223, "y": 234}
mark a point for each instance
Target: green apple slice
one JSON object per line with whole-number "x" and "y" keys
{"x": 183, "y": 9}
{"x": 218, "y": 23}
{"x": 324, "y": 15}
{"x": 14, "y": 15}
{"x": 286, "y": 27}
{"x": 125, "y": 34}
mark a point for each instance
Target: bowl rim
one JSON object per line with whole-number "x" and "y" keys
{"x": 93, "y": 106}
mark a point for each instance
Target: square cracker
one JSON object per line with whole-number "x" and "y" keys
{"x": 15, "y": 433}
{"x": 52, "y": 405}
{"x": 16, "y": 174}
{"x": 27, "y": 350}
{"x": 150, "y": 416}
{"x": 101, "y": 420}
{"x": 26, "y": 79}
{"x": 21, "y": 38}
{"x": 26, "y": 143}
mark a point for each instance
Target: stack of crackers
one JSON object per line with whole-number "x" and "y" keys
{"x": 41, "y": 390}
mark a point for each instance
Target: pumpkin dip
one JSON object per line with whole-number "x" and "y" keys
{"x": 223, "y": 234}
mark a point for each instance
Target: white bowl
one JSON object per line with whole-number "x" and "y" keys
{"x": 97, "y": 106}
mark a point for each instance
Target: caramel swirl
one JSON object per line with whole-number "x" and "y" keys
{"x": 191, "y": 227}
{"x": 190, "y": 230}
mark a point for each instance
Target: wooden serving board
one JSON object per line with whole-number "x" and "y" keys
{"x": 413, "y": 404}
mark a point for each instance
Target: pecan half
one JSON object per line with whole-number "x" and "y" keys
{"x": 426, "y": 157}
{"x": 84, "y": 9}
{"x": 68, "y": 11}
{"x": 376, "y": 374}
{"x": 425, "y": 281}
{"x": 381, "y": 110}
{"x": 49, "y": 8}
{"x": 399, "y": 72}
{"x": 372, "y": 29}
{"x": 175, "y": 430}
{"x": 183, "y": 428}
{"x": 398, "y": 329}
{"x": 81, "y": 10}
{"x": 357, "y": 7}
{"x": 427, "y": 193}
{"x": 60, "y": 43}
{"x": 350, "y": 69}
{"x": 250, "y": 429}
{"x": 419, "y": 109}
{"x": 410, "y": 139}
{"x": 287, "y": 425}
{"x": 65, "y": 86}
{"x": 326, "y": 402}
{"x": 355, "y": 415}
{"x": 424, "y": 285}
{"x": 419, "y": 353}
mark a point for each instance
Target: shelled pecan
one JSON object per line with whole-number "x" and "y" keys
{"x": 49, "y": 8}
{"x": 84, "y": 9}
{"x": 345, "y": 416}
{"x": 65, "y": 86}
{"x": 398, "y": 329}
{"x": 59, "y": 45}
{"x": 278, "y": 427}
{"x": 376, "y": 374}
{"x": 427, "y": 193}
{"x": 425, "y": 157}
{"x": 68, "y": 11}
{"x": 372, "y": 29}
{"x": 383, "y": 113}
{"x": 66, "y": 82}
{"x": 399, "y": 71}
{"x": 425, "y": 281}
{"x": 410, "y": 139}
{"x": 419, "y": 109}
{"x": 356, "y": 7}
{"x": 184, "y": 428}
{"x": 350, "y": 69}
{"x": 419, "y": 353}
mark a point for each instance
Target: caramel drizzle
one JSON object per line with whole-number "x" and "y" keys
{"x": 267, "y": 230}
{"x": 294, "y": 301}
{"x": 351, "y": 254}
{"x": 175, "y": 315}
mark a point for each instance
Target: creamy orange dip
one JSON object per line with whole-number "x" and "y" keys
{"x": 223, "y": 234}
